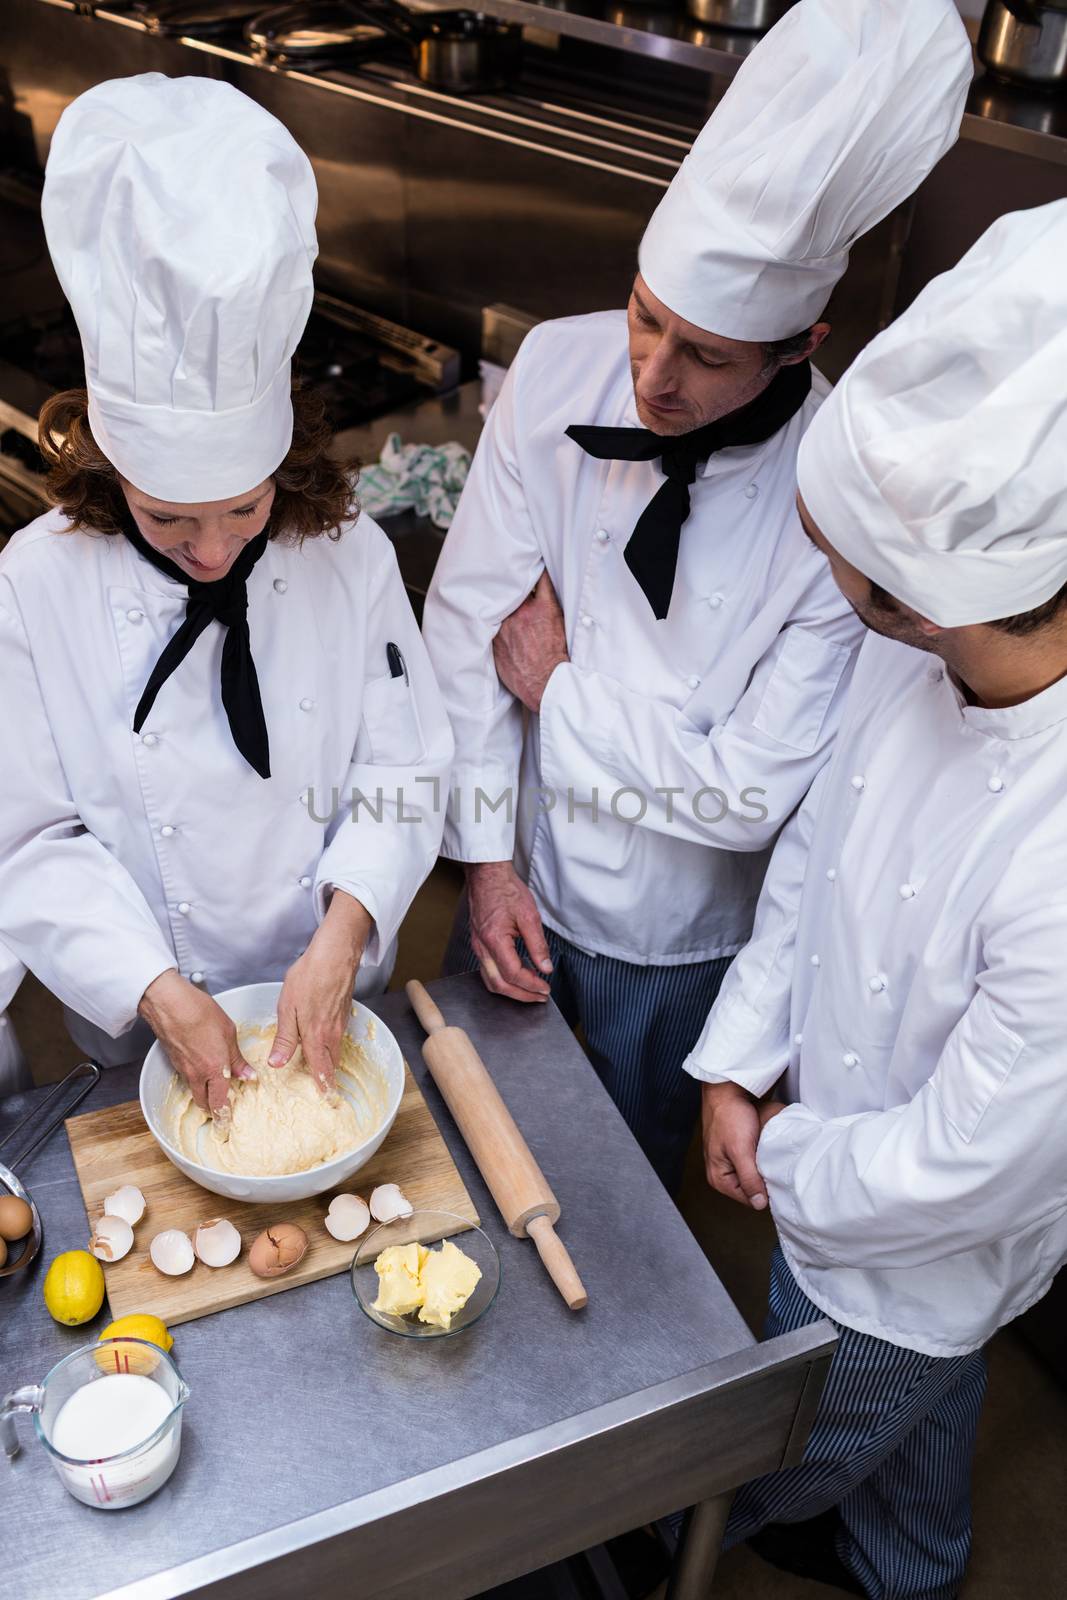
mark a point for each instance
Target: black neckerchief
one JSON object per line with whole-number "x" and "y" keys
{"x": 652, "y": 550}
{"x": 225, "y": 601}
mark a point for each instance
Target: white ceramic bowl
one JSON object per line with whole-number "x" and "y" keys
{"x": 257, "y": 1004}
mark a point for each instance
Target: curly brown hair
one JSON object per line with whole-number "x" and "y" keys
{"x": 314, "y": 492}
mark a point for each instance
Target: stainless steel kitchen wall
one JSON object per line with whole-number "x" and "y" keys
{"x": 431, "y": 206}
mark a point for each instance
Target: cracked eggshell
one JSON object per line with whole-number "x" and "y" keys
{"x": 347, "y": 1217}
{"x": 112, "y": 1238}
{"x": 277, "y": 1250}
{"x": 387, "y": 1203}
{"x": 217, "y": 1242}
{"x": 127, "y": 1202}
{"x": 172, "y": 1252}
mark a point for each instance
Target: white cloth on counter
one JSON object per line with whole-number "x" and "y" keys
{"x": 739, "y": 688}
{"x": 906, "y": 973}
{"x": 122, "y": 855}
{"x": 425, "y": 478}
{"x": 180, "y": 218}
{"x": 938, "y": 467}
{"x": 836, "y": 117}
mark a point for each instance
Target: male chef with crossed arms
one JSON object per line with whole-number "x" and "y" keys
{"x": 685, "y": 652}
{"x": 907, "y": 969}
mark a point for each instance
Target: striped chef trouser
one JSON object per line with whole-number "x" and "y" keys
{"x": 891, "y": 1448}
{"x": 639, "y": 1024}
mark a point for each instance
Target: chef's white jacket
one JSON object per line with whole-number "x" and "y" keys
{"x": 123, "y": 854}
{"x": 731, "y": 701}
{"x": 907, "y": 974}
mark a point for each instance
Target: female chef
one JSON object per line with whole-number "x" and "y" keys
{"x": 223, "y": 739}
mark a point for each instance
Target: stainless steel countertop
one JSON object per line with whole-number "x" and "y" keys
{"x": 437, "y": 419}
{"x": 300, "y": 1404}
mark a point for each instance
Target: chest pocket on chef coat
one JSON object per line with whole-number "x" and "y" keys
{"x": 979, "y": 1058}
{"x": 391, "y": 735}
{"x": 799, "y": 690}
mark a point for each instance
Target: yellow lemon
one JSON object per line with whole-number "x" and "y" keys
{"x": 74, "y": 1288}
{"x": 131, "y": 1358}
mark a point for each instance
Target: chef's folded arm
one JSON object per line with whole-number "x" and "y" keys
{"x": 490, "y": 562}
{"x": 746, "y": 1037}
{"x": 381, "y": 845}
{"x": 598, "y": 734}
{"x": 595, "y": 733}
{"x": 977, "y": 1155}
{"x": 69, "y": 910}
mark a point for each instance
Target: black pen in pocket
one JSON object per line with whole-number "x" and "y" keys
{"x": 397, "y": 668}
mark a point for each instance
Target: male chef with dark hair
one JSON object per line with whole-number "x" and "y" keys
{"x": 907, "y": 977}
{"x": 685, "y": 652}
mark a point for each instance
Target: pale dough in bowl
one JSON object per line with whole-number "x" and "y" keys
{"x": 281, "y": 1123}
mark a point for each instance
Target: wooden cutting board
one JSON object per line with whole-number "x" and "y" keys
{"x": 113, "y": 1146}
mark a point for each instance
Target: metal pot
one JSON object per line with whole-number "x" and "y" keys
{"x": 1025, "y": 41}
{"x": 462, "y": 51}
{"x": 748, "y": 16}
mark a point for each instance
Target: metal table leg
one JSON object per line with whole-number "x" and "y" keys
{"x": 698, "y": 1549}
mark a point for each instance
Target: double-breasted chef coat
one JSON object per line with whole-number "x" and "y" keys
{"x": 735, "y": 694}
{"x": 124, "y": 854}
{"x": 906, "y": 973}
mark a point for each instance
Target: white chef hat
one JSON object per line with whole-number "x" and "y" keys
{"x": 180, "y": 217}
{"x": 938, "y": 465}
{"x": 835, "y": 118}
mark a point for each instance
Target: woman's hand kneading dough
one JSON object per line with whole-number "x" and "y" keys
{"x": 199, "y": 1038}
{"x": 316, "y": 999}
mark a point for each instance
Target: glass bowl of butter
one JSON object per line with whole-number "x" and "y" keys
{"x": 426, "y": 1276}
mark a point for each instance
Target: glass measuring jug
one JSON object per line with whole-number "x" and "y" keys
{"x": 109, "y": 1463}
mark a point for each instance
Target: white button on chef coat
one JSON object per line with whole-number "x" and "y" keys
{"x": 693, "y": 682}
{"x": 831, "y": 874}
{"x": 850, "y": 1059}
{"x": 858, "y": 782}
{"x": 619, "y": 715}
{"x": 603, "y": 536}
{"x": 196, "y": 977}
{"x": 78, "y": 790}
{"x": 995, "y": 785}
{"x": 307, "y": 705}
{"x": 305, "y": 883}
{"x": 280, "y": 585}
{"x": 921, "y": 1200}
{"x": 751, "y": 491}
{"x": 133, "y": 615}
{"x": 907, "y": 891}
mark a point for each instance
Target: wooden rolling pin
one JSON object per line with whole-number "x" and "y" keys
{"x": 504, "y": 1159}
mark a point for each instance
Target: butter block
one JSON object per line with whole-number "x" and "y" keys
{"x": 448, "y": 1279}
{"x": 399, "y": 1268}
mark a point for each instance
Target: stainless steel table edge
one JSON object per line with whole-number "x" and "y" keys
{"x": 254, "y": 1566}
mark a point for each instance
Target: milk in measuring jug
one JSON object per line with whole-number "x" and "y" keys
{"x": 103, "y": 1419}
